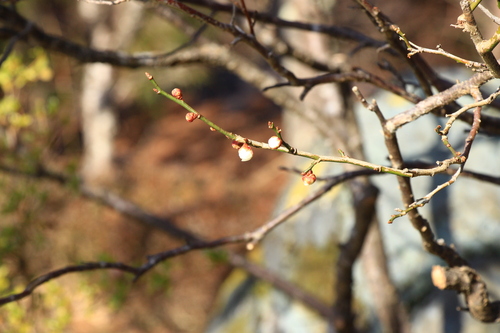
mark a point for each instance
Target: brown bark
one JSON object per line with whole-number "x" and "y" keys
{"x": 467, "y": 281}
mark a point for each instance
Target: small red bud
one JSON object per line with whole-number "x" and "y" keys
{"x": 213, "y": 129}
{"x": 156, "y": 91}
{"x": 245, "y": 152}
{"x": 308, "y": 178}
{"x": 190, "y": 117}
{"x": 177, "y": 93}
{"x": 149, "y": 76}
{"x": 236, "y": 145}
{"x": 274, "y": 142}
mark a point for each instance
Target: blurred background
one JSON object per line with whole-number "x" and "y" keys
{"x": 105, "y": 125}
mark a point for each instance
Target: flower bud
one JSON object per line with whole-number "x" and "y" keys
{"x": 308, "y": 178}
{"x": 177, "y": 93}
{"x": 245, "y": 153}
{"x": 274, "y": 142}
{"x": 236, "y": 144}
{"x": 190, "y": 117}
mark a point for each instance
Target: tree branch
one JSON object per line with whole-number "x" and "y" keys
{"x": 430, "y": 103}
{"x": 216, "y": 55}
{"x": 364, "y": 208}
{"x": 447, "y": 253}
{"x": 484, "y": 47}
{"x": 193, "y": 243}
{"x": 466, "y": 281}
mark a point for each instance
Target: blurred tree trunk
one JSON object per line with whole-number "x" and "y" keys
{"x": 110, "y": 27}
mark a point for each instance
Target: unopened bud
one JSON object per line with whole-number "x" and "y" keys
{"x": 308, "y": 178}
{"x": 236, "y": 144}
{"x": 245, "y": 153}
{"x": 177, "y": 93}
{"x": 274, "y": 142}
{"x": 190, "y": 117}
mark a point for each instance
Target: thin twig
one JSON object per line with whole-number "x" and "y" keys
{"x": 238, "y": 34}
{"x": 494, "y": 18}
{"x": 10, "y": 45}
{"x": 456, "y": 114}
{"x": 355, "y": 75}
{"x": 247, "y": 15}
{"x": 441, "y": 250}
{"x": 342, "y": 33}
{"x": 414, "y": 49}
{"x": 426, "y": 199}
{"x": 106, "y": 2}
{"x": 443, "y": 98}
{"x": 289, "y": 150}
{"x": 256, "y": 236}
{"x": 392, "y": 33}
{"x": 211, "y": 54}
{"x": 193, "y": 243}
{"x": 34, "y": 284}
{"x": 484, "y": 47}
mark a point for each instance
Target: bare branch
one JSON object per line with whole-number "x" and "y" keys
{"x": 193, "y": 243}
{"x": 284, "y": 149}
{"x": 426, "y": 106}
{"x": 355, "y": 75}
{"x": 414, "y": 49}
{"x": 484, "y": 47}
{"x": 214, "y": 55}
{"x": 364, "y": 203}
{"x": 106, "y": 2}
{"x": 456, "y": 114}
{"x": 63, "y": 271}
{"x": 342, "y": 316}
{"x": 494, "y": 18}
{"x": 429, "y": 243}
{"x": 256, "y": 236}
{"x": 342, "y": 33}
{"x": 466, "y": 281}
{"x": 459, "y": 158}
{"x": 423, "y": 72}
{"x": 10, "y": 45}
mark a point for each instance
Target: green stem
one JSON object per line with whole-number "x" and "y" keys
{"x": 474, "y": 4}
{"x": 285, "y": 148}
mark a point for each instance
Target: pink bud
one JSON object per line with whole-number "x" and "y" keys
{"x": 245, "y": 153}
{"x": 177, "y": 93}
{"x": 274, "y": 142}
{"x": 308, "y": 178}
{"x": 190, "y": 117}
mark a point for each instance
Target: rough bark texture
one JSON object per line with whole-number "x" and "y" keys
{"x": 467, "y": 281}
